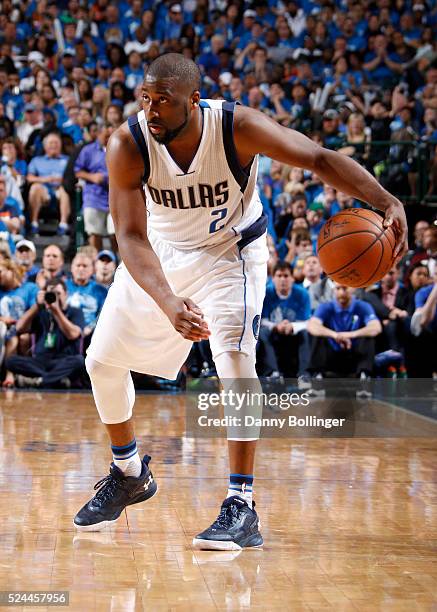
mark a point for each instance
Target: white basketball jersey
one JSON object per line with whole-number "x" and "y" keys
{"x": 211, "y": 203}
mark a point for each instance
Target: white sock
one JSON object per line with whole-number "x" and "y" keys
{"x": 241, "y": 485}
{"x": 127, "y": 459}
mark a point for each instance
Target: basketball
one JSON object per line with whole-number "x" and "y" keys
{"x": 354, "y": 247}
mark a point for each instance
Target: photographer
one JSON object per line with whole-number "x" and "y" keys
{"x": 58, "y": 329}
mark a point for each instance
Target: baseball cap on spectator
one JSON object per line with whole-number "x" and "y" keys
{"x": 316, "y": 206}
{"x": 225, "y": 78}
{"x": 36, "y": 57}
{"x": 176, "y": 8}
{"x": 29, "y": 108}
{"x": 69, "y": 52}
{"x": 103, "y": 63}
{"x": 68, "y": 19}
{"x": 418, "y": 7}
{"x": 106, "y": 253}
{"x": 25, "y": 244}
{"x": 330, "y": 113}
{"x": 349, "y": 105}
{"x": 249, "y": 13}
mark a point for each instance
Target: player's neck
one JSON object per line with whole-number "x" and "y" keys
{"x": 187, "y": 143}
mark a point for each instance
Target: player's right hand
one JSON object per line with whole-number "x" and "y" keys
{"x": 187, "y": 319}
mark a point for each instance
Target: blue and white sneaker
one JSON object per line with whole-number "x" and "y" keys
{"x": 236, "y": 527}
{"x": 114, "y": 493}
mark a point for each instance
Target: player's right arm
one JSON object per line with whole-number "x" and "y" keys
{"x": 128, "y": 210}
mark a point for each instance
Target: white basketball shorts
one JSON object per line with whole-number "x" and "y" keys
{"x": 227, "y": 283}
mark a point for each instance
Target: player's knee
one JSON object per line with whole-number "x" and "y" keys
{"x": 235, "y": 364}
{"x": 96, "y": 370}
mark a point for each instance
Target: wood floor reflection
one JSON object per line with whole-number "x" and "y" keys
{"x": 348, "y": 524}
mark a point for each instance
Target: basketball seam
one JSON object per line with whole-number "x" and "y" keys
{"x": 367, "y": 282}
{"x": 347, "y": 213}
{"x": 343, "y": 235}
{"x": 358, "y": 256}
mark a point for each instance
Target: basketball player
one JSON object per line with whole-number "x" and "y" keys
{"x": 194, "y": 267}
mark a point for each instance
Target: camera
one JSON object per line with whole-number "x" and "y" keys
{"x": 50, "y": 297}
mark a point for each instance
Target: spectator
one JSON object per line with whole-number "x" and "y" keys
{"x": 16, "y": 167}
{"x": 10, "y": 213}
{"x": 332, "y": 138}
{"x": 52, "y": 266}
{"x": 417, "y": 246}
{"x": 344, "y": 333}
{"x": 25, "y": 256}
{"x": 105, "y": 268}
{"x": 85, "y": 293}
{"x": 429, "y": 243}
{"x": 57, "y": 327}
{"x": 321, "y": 292}
{"x": 16, "y": 296}
{"x": 45, "y": 178}
{"x": 114, "y": 115}
{"x": 91, "y": 167}
{"x": 284, "y": 344}
{"x": 390, "y": 300}
{"x": 424, "y": 329}
{"x": 312, "y": 271}
{"x": 33, "y": 120}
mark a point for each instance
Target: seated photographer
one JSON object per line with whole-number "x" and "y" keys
{"x": 57, "y": 327}
{"x": 344, "y": 333}
{"x": 283, "y": 341}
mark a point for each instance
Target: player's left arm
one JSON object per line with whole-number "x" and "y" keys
{"x": 255, "y": 133}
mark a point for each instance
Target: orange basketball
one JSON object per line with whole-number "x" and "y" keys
{"x": 354, "y": 248}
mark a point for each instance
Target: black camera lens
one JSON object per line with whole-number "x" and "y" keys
{"x": 50, "y": 297}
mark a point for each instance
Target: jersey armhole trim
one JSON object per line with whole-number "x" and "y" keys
{"x": 138, "y": 136}
{"x": 240, "y": 174}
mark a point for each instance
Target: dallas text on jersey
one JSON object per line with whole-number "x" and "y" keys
{"x": 200, "y": 195}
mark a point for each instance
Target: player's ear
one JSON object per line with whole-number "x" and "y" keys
{"x": 195, "y": 99}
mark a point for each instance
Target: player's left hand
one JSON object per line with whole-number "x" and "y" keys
{"x": 396, "y": 218}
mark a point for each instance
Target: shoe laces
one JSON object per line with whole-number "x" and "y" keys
{"x": 106, "y": 488}
{"x": 228, "y": 514}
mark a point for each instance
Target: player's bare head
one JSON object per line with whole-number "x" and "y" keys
{"x": 170, "y": 95}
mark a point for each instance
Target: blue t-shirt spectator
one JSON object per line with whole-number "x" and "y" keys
{"x": 92, "y": 159}
{"x": 43, "y": 165}
{"x": 89, "y": 298}
{"x": 357, "y": 315}
{"x": 420, "y": 300}
{"x": 295, "y": 307}
{"x": 10, "y": 209}
{"x": 15, "y": 302}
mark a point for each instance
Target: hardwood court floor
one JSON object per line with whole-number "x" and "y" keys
{"x": 349, "y": 524}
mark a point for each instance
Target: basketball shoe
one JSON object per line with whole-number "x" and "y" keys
{"x": 236, "y": 527}
{"x": 114, "y": 493}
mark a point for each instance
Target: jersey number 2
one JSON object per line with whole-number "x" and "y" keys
{"x": 220, "y": 214}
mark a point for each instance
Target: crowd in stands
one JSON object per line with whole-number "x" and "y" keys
{"x": 350, "y": 74}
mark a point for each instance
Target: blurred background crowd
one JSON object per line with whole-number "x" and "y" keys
{"x": 356, "y": 76}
